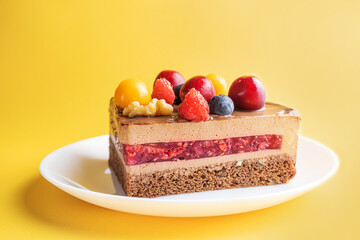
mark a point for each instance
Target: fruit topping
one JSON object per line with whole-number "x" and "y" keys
{"x": 221, "y": 105}
{"x": 177, "y": 101}
{"x": 163, "y": 108}
{"x": 177, "y": 94}
{"x": 248, "y": 93}
{"x": 201, "y": 84}
{"x": 177, "y": 90}
{"x": 173, "y": 77}
{"x": 131, "y": 90}
{"x": 219, "y": 83}
{"x": 155, "y": 107}
{"x": 163, "y": 90}
{"x": 175, "y": 151}
{"x": 194, "y": 107}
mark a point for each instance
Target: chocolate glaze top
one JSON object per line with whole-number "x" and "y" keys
{"x": 270, "y": 109}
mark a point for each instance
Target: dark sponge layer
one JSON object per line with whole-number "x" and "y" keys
{"x": 270, "y": 170}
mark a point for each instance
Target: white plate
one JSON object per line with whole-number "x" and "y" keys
{"x": 81, "y": 170}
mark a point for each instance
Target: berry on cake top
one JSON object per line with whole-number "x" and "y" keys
{"x": 219, "y": 83}
{"x": 163, "y": 90}
{"x": 201, "y": 84}
{"x": 248, "y": 93}
{"x": 194, "y": 107}
{"x": 196, "y": 97}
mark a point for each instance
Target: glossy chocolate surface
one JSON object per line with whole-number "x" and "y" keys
{"x": 270, "y": 109}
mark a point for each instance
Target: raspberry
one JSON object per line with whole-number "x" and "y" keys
{"x": 163, "y": 90}
{"x": 175, "y": 151}
{"x": 194, "y": 107}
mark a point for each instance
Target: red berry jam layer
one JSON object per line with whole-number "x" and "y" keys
{"x": 174, "y": 151}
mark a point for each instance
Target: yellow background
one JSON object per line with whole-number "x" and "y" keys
{"x": 60, "y": 62}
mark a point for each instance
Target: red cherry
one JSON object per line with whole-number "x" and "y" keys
{"x": 247, "y": 92}
{"x": 200, "y": 83}
{"x": 173, "y": 77}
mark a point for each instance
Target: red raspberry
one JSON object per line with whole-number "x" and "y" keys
{"x": 163, "y": 90}
{"x": 194, "y": 107}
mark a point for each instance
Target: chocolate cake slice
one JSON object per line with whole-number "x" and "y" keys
{"x": 157, "y": 156}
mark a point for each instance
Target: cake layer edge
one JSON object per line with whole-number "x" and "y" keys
{"x": 274, "y": 169}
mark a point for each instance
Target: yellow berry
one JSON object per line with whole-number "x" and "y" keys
{"x": 219, "y": 83}
{"x": 131, "y": 90}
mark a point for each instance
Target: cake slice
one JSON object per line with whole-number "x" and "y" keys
{"x": 163, "y": 155}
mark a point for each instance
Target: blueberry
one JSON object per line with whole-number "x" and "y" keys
{"x": 221, "y": 105}
{"x": 177, "y": 94}
{"x": 177, "y": 90}
{"x": 177, "y": 101}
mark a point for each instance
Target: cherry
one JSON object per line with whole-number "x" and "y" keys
{"x": 200, "y": 83}
{"x": 247, "y": 92}
{"x": 175, "y": 78}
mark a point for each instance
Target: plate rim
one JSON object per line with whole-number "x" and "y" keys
{"x": 300, "y": 189}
